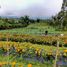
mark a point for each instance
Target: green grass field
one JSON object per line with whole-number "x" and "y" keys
{"x": 33, "y": 29}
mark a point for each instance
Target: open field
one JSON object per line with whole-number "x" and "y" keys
{"x": 34, "y": 29}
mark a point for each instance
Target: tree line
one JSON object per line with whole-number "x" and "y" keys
{"x": 9, "y": 23}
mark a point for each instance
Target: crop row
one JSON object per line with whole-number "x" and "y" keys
{"x": 29, "y": 50}
{"x": 13, "y": 64}
{"x": 46, "y": 40}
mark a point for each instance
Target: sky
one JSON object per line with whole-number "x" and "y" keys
{"x": 33, "y": 8}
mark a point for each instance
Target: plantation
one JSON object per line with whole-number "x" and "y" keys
{"x": 22, "y": 49}
{"x": 20, "y": 53}
{"x": 44, "y": 40}
{"x": 34, "y": 42}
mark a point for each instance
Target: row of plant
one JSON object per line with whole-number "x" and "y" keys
{"x": 29, "y": 50}
{"x": 13, "y": 64}
{"x": 9, "y": 61}
{"x": 46, "y": 40}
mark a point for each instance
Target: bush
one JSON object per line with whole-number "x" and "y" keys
{"x": 65, "y": 45}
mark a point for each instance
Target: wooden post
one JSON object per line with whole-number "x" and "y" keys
{"x": 7, "y": 40}
{"x": 57, "y": 50}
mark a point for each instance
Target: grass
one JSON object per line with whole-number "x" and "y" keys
{"x": 33, "y": 29}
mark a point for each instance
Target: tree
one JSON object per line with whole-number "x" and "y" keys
{"x": 26, "y": 19}
{"x": 60, "y": 19}
{"x": 38, "y": 20}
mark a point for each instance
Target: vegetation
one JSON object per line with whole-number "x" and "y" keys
{"x": 60, "y": 19}
{"x": 16, "y": 52}
{"x": 9, "y": 23}
{"x": 44, "y": 40}
{"x": 35, "y": 29}
{"x": 26, "y": 42}
{"x": 22, "y": 49}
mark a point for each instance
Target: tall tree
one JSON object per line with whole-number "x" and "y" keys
{"x": 60, "y": 19}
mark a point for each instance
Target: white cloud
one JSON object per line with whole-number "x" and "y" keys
{"x": 30, "y": 7}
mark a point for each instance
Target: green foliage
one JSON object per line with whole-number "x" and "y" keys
{"x": 35, "y": 29}
{"x": 65, "y": 45}
{"x": 9, "y": 23}
{"x": 44, "y": 40}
